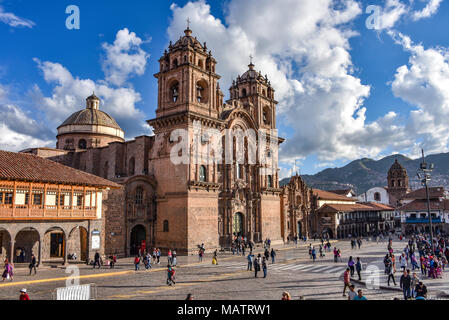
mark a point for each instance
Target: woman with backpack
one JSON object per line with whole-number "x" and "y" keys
{"x": 170, "y": 275}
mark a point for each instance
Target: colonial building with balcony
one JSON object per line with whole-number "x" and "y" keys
{"x": 414, "y": 211}
{"x": 49, "y": 210}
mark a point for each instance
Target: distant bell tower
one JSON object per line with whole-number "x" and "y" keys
{"x": 255, "y": 93}
{"x": 398, "y": 183}
{"x": 187, "y": 80}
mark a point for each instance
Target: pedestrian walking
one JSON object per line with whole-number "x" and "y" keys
{"x": 250, "y": 261}
{"x": 359, "y": 268}
{"x": 97, "y": 260}
{"x": 257, "y": 263}
{"x": 273, "y": 256}
{"x": 313, "y": 254}
{"x": 8, "y": 271}
{"x": 32, "y": 265}
{"x": 136, "y": 263}
{"x": 215, "y": 258}
{"x": 351, "y": 265}
{"x": 265, "y": 267}
{"x": 200, "y": 255}
{"x": 174, "y": 258}
{"x": 405, "y": 284}
{"x": 346, "y": 280}
{"x": 170, "y": 275}
{"x": 158, "y": 256}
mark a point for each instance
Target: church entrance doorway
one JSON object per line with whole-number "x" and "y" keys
{"x": 299, "y": 230}
{"x": 237, "y": 227}
{"x": 138, "y": 239}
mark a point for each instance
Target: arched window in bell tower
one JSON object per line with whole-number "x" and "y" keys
{"x": 201, "y": 92}
{"x": 266, "y": 116}
{"x": 174, "y": 92}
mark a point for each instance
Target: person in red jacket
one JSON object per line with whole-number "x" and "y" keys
{"x": 347, "y": 280}
{"x": 24, "y": 295}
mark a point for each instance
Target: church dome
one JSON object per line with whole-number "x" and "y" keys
{"x": 91, "y": 117}
{"x": 188, "y": 40}
{"x": 89, "y": 128}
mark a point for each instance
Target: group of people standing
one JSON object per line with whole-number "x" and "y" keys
{"x": 261, "y": 263}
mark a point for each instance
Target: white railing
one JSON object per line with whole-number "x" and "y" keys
{"x": 76, "y": 293}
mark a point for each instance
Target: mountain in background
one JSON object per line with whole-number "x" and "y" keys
{"x": 365, "y": 174}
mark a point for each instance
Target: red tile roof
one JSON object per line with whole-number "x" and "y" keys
{"x": 365, "y": 206}
{"x": 28, "y": 167}
{"x": 434, "y": 192}
{"x": 378, "y": 206}
{"x": 341, "y": 192}
{"x": 330, "y": 208}
{"x": 421, "y": 205}
{"x": 326, "y": 195}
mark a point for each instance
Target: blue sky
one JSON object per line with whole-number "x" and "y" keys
{"x": 345, "y": 91}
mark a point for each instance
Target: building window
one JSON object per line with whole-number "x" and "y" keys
{"x": 377, "y": 196}
{"x": 79, "y": 201}
{"x": 174, "y": 92}
{"x": 6, "y": 198}
{"x": 60, "y": 200}
{"x": 37, "y": 199}
{"x": 82, "y": 144}
{"x": 203, "y": 174}
{"x": 270, "y": 181}
{"x": 139, "y": 196}
{"x": 175, "y": 63}
{"x": 244, "y": 93}
{"x": 399, "y": 183}
{"x": 166, "y": 226}
{"x": 27, "y": 198}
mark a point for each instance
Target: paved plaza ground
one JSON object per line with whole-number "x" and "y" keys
{"x": 293, "y": 271}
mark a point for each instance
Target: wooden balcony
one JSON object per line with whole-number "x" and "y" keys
{"x": 16, "y": 201}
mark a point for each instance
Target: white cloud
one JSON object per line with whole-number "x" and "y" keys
{"x": 391, "y": 13}
{"x": 394, "y": 10}
{"x": 423, "y": 83}
{"x": 429, "y": 10}
{"x": 124, "y": 58}
{"x": 69, "y": 92}
{"x": 14, "y": 21}
{"x": 18, "y": 130}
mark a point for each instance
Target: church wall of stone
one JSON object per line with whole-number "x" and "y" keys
{"x": 114, "y": 226}
{"x": 271, "y": 218}
{"x": 203, "y": 219}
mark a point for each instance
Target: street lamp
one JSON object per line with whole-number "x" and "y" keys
{"x": 424, "y": 175}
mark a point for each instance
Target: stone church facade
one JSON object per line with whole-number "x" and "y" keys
{"x": 181, "y": 206}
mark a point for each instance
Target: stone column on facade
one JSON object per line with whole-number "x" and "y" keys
{"x": 40, "y": 262}
{"x": 11, "y": 255}
{"x": 66, "y": 239}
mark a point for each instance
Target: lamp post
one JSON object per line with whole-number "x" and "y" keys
{"x": 424, "y": 175}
